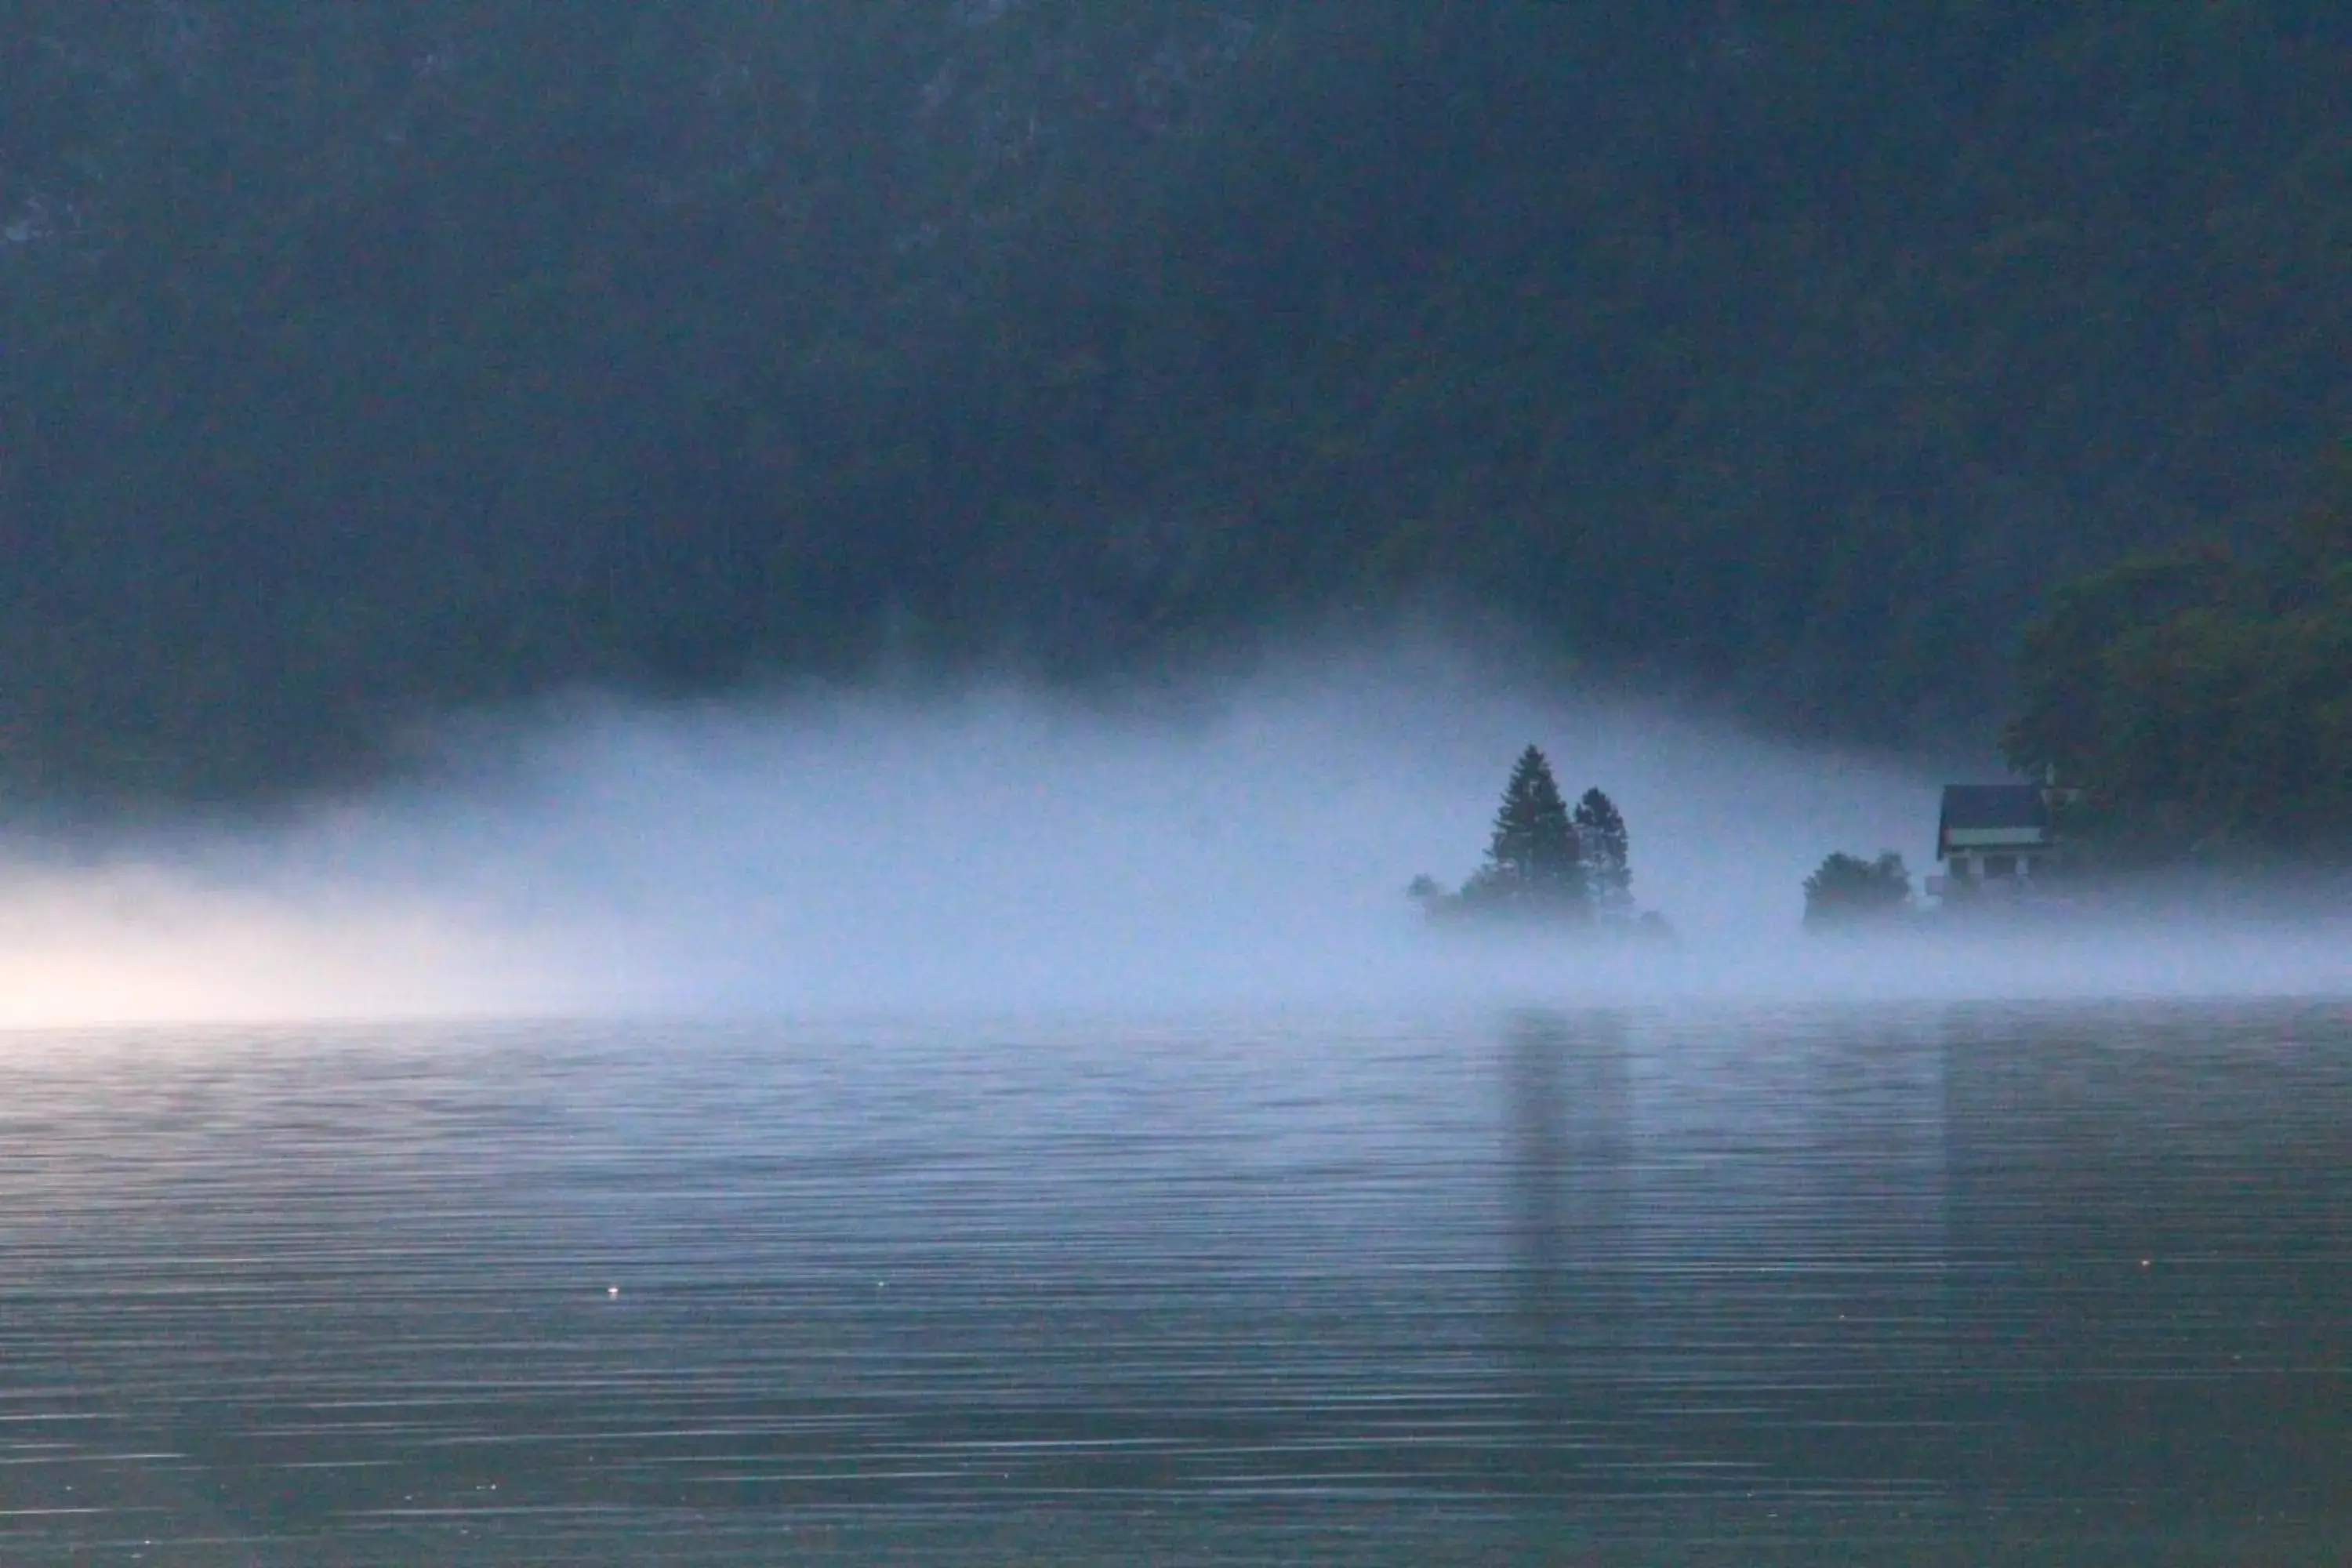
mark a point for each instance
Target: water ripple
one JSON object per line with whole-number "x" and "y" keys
{"x": 2066, "y": 1283}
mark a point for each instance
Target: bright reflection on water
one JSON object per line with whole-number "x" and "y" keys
{"x": 1922, "y": 1284}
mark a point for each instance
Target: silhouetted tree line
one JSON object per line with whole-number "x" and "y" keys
{"x": 360, "y": 360}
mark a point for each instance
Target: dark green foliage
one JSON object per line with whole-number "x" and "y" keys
{"x": 1534, "y": 864}
{"x": 1535, "y": 868}
{"x": 358, "y": 361}
{"x": 2204, "y": 705}
{"x": 1608, "y": 866}
{"x": 1848, "y": 890}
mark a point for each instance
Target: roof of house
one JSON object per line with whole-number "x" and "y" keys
{"x": 1994, "y": 805}
{"x": 2011, "y": 812}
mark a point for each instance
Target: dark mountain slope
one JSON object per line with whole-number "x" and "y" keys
{"x": 360, "y": 360}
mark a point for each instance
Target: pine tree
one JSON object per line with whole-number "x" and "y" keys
{"x": 1533, "y": 862}
{"x": 1609, "y": 873}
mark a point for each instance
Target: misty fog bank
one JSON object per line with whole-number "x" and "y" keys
{"x": 1001, "y": 850}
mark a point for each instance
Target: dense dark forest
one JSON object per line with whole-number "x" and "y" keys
{"x": 2201, "y": 702}
{"x": 358, "y": 359}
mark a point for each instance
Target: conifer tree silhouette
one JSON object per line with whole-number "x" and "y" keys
{"x": 1533, "y": 862}
{"x": 1608, "y": 869}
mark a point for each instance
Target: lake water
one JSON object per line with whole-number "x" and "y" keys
{"x": 1910, "y": 1283}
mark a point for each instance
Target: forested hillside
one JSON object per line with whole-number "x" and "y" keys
{"x": 2203, "y": 701}
{"x": 357, "y": 359}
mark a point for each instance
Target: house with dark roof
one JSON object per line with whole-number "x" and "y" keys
{"x": 1995, "y": 835}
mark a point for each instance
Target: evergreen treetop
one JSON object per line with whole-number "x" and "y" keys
{"x": 1533, "y": 860}
{"x": 1608, "y": 870}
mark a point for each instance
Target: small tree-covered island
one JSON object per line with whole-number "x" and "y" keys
{"x": 1547, "y": 866}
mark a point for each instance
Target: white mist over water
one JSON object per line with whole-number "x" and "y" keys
{"x": 1003, "y": 850}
